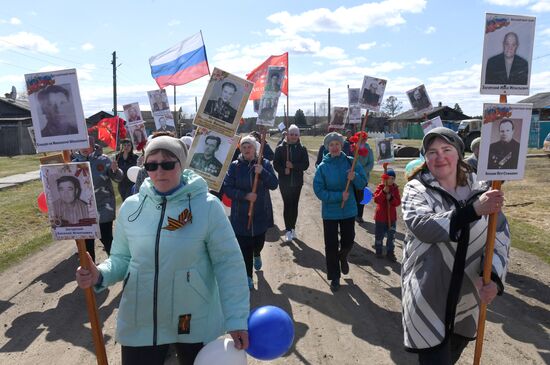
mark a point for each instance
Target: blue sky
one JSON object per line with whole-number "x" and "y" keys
{"x": 330, "y": 44}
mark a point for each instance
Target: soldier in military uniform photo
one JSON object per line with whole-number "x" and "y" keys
{"x": 207, "y": 161}
{"x": 504, "y": 153}
{"x": 221, "y": 108}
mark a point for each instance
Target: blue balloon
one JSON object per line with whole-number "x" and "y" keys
{"x": 367, "y": 196}
{"x": 270, "y": 332}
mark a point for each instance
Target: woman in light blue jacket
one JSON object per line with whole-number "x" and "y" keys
{"x": 329, "y": 185}
{"x": 184, "y": 276}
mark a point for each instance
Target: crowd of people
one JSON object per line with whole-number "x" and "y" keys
{"x": 193, "y": 268}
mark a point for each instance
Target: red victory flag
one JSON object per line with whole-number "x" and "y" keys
{"x": 258, "y": 75}
{"x": 106, "y": 130}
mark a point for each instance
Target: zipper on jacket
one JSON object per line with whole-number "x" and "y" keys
{"x": 156, "y": 283}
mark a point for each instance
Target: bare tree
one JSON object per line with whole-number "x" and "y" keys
{"x": 392, "y": 106}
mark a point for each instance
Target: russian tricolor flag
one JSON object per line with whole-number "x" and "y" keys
{"x": 183, "y": 63}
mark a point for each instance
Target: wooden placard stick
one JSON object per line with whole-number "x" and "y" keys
{"x": 356, "y": 153}
{"x": 287, "y": 170}
{"x": 256, "y": 177}
{"x": 487, "y": 268}
{"x": 97, "y": 335}
{"x": 385, "y": 166}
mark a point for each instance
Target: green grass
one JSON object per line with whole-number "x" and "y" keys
{"x": 19, "y": 164}
{"x": 530, "y": 238}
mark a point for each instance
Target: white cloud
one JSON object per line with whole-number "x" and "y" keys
{"x": 333, "y": 53}
{"x": 31, "y": 41}
{"x": 15, "y": 21}
{"x": 174, "y": 22}
{"x": 12, "y": 79}
{"x": 366, "y": 46}
{"x": 540, "y": 6}
{"x": 87, "y": 46}
{"x": 424, "y": 61}
{"x": 349, "y": 61}
{"x": 508, "y": 2}
{"x": 430, "y": 30}
{"x": 356, "y": 19}
{"x": 545, "y": 32}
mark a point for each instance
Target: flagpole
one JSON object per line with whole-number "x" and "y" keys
{"x": 175, "y": 112}
{"x": 205, "y": 56}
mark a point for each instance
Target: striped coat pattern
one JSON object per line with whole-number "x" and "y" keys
{"x": 442, "y": 258}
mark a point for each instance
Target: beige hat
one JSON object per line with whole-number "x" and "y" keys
{"x": 172, "y": 144}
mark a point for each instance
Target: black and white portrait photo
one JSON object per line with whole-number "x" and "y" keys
{"x": 223, "y": 102}
{"x": 158, "y": 100}
{"x": 419, "y": 99}
{"x": 505, "y": 131}
{"x": 338, "y": 117}
{"x": 268, "y": 110}
{"x": 353, "y": 96}
{"x": 274, "y": 80}
{"x": 132, "y": 113}
{"x": 56, "y": 110}
{"x": 507, "y": 54}
{"x": 164, "y": 121}
{"x": 372, "y": 93}
{"x": 384, "y": 150}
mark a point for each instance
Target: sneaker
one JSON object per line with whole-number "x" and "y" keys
{"x": 344, "y": 266}
{"x": 294, "y": 234}
{"x": 257, "y": 262}
{"x": 250, "y": 283}
{"x": 335, "y": 284}
{"x": 391, "y": 256}
{"x": 288, "y": 236}
{"x": 359, "y": 220}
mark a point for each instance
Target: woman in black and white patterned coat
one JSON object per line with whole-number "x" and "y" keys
{"x": 446, "y": 213}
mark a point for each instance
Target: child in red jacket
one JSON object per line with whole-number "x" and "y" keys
{"x": 386, "y": 198}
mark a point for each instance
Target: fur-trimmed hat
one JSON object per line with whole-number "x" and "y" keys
{"x": 447, "y": 135}
{"x": 251, "y": 140}
{"x": 172, "y": 144}
{"x": 333, "y": 136}
{"x": 475, "y": 143}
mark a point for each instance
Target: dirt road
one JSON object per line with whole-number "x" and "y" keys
{"x": 43, "y": 314}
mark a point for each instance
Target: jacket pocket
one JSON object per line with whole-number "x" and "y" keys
{"x": 190, "y": 296}
{"x": 128, "y": 303}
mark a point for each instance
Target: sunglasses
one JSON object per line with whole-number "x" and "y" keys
{"x": 153, "y": 166}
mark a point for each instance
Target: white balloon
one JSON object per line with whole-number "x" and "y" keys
{"x": 132, "y": 173}
{"x": 221, "y": 351}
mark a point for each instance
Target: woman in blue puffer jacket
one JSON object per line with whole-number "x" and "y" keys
{"x": 329, "y": 185}
{"x": 184, "y": 276}
{"x": 238, "y": 187}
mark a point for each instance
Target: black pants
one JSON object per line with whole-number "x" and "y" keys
{"x": 446, "y": 354}
{"x": 360, "y": 207}
{"x": 334, "y": 247}
{"x": 291, "y": 197}
{"x": 251, "y": 246}
{"x": 153, "y": 355}
{"x": 106, "y": 238}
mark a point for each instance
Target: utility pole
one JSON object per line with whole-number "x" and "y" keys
{"x": 328, "y": 112}
{"x": 113, "y": 62}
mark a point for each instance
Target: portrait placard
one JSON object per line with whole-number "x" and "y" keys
{"x": 71, "y": 201}
{"x": 431, "y": 124}
{"x": 56, "y": 111}
{"x": 504, "y": 141}
{"x": 223, "y": 102}
{"x": 132, "y": 113}
{"x": 353, "y": 96}
{"x": 210, "y": 156}
{"x": 384, "y": 150}
{"x": 338, "y": 117}
{"x": 275, "y": 77}
{"x": 419, "y": 99}
{"x": 372, "y": 93}
{"x": 158, "y": 101}
{"x": 137, "y": 134}
{"x": 268, "y": 110}
{"x": 507, "y": 54}
{"x": 354, "y": 114}
{"x": 164, "y": 121}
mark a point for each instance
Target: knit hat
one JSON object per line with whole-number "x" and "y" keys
{"x": 251, "y": 140}
{"x": 294, "y": 127}
{"x": 390, "y": 172}
{"x": 333, "y": 136}
{"x": 446, "y": 134}
{"x": 172, "y": 144}
{"x": 475, "y": 143}
{"x": 187, "y": 141}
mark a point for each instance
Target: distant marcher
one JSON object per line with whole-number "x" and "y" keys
{"x": 291, "y": 176}
{"x": 367, "y": 162}
{"x": 386, "y": 192}
{"x": 474, "y": 147}
{"x": 237, "y": 185}
{"x": 329, "y": 185}
{"x": 125, "y": 159}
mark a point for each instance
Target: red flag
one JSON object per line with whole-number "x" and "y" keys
{"x": 259, "y": 73}
{"x": 106, "y": 130}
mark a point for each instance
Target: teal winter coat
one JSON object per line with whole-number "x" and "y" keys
{"x": 330, "y": 182}
{"x": 183, "y": 285}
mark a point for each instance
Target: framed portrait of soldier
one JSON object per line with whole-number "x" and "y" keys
{"x": 164, "y": 121}
{"x": 158, "y": 100}
{"x": 338, "y": 117}
{"x": 138, "y": 134}
{"x": 353, "y": 96}
{"x": 504, "y": 141}
{"x": 419, "y": 99}
{"x": 223, "y": 102}
{"x": 56, "y": 111}
{"x": 275, "y": 78}
{"x": 507, "y": 54}
{"x": 431, "y": 124}
{"x": 384, "y": 150}
{"x": 372, "y": 93}
{"x": 132, "y": 113}
{"x": 354, "y": 114}
{"x": 70, "y": 199}
{"x": 268, "y": 110}
{"x": 210, "y": 156}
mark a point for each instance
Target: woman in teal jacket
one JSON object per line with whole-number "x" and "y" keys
{"x": 184, "y": 276}
{"x": 329, "y": 185}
